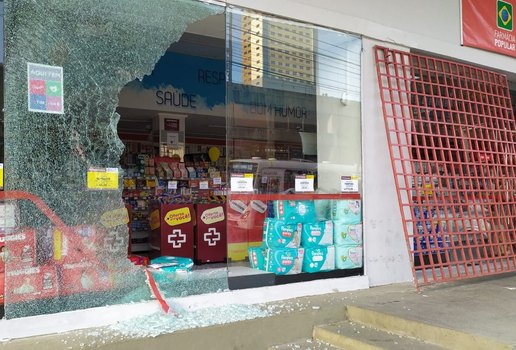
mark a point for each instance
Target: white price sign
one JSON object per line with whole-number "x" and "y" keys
{"x": 241, "y": 182}
{"x": 203, "y": 185}
{"x": 305, "y": 183}
{"x": 348, "y": 184}
{"x": 217, "y": 181}
{"x": 172, "y": 185}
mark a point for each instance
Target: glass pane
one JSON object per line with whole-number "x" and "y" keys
{"x": 294, "y": 150}
{"x": 65, "y": 231}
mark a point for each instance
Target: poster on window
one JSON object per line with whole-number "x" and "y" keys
{"x": 45, "y": 88}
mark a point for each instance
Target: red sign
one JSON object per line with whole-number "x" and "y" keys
{"x": 488, "y": 25}
{"x": 172, "y": 124}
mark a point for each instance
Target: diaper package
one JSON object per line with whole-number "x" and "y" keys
{"x": 172, "y": 264}
{"x": 257, "y": 257}
{"x": 285, "y": 261}
{"x": 317, "y": 259}
{"x": 322, "y": 209}
{"x": 347, "y": 234}
{"x": 348, "y": 256}
{"x": 280, "y": 234}
{"x": 317, "y": 234}
{"x": 295, "y": 211}
{"x": 347, "y": 211}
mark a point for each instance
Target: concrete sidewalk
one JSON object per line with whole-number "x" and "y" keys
{"x": 483, "y": 308}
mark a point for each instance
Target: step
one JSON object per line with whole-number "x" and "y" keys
{"x": 354, "y": 336}
{"x": 305, "y": 344}
{"x": 447, "y": 338}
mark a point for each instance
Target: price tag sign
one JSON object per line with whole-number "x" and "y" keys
{"x": 348, "y": 184}
{"x": 241, "y": 182}
{"x": 172, "y": 185}
{"x": 203, "y": 185}
{"x": 305, "y": 183}
{"x": 217, "y": 181}
{"x": 102, "y": 179}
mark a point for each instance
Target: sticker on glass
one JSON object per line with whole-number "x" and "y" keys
{"x": 45, "y": 88}
{"x": 102, "y": 179}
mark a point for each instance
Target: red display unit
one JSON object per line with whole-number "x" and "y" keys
{"x": 210, "y": 233}
{"x": 172, "y": 228}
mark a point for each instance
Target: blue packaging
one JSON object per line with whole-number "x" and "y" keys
{"x": 285, "y": 261}
{"x": 172, "y": 264}
{"x": 295, "y": 211}
{"x": 317, "y": 234}
{"x": 344, "y": 233}
{"x": 280, "y": 234}
{"x": 322, "y": 209}
{"x": 258, "y": 257}
{"x": 319, "y": 259}
{"x": 348, "y": 256}
{"x": 348, "y": 211}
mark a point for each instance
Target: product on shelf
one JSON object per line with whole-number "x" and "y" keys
{"x": 319, "y": 259}
{"x": 285, "y": 261}
{"x": 301, "y": 211}
{"x": 348, "y": 256}
{"x": 318, "y": 245}
{"x": 350, "y": 234}
{"x": 347, "y": 211}
{"x": 280, "y": 234}
{"x": 258, "y": 257}
{"x": 317, "y": 234}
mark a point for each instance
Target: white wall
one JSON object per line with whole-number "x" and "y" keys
{"x": 386, "y": 255}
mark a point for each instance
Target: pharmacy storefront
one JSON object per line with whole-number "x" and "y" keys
{"x": 164, "y": 149}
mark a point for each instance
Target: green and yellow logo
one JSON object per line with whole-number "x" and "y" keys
{"x": 504, "y": 15}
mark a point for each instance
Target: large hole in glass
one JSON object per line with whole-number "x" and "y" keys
{"x": 78, "y": 260}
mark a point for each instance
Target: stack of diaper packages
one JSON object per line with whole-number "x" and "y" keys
{"x": 347, "y": 233}
{"x": 310, "y": 236}
{"x": 281, "y": 251}
{"x": 317, "y": 239}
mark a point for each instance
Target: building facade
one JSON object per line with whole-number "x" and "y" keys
{"x": 302, "y": 86}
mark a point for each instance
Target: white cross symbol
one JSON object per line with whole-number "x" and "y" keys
{"x": 177, "y": 243}
{"x": 215, "y": 236}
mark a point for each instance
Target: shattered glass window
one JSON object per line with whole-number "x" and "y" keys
{"x": 65, "y": 226}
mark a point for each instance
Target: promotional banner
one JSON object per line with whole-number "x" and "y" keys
{"x": 489, "y": 25}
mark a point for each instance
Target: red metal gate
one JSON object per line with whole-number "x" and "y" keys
{"x": 451, "y": 134}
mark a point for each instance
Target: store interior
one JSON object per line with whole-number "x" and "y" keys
{"x": 182, "y": 144}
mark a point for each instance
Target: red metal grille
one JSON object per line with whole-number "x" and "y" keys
{"x": 451, "y": 134}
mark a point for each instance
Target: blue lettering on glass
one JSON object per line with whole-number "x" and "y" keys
{"x": 176, "y": 99}
{"x": 196, "y": 76}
